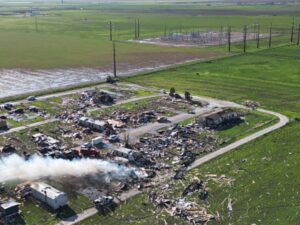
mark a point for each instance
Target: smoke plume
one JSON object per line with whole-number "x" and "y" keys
{"x": 15, "y": 167}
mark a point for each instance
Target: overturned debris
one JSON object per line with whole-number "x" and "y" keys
{"x": 251, "y": 104}
{"x": 104, "y": 202}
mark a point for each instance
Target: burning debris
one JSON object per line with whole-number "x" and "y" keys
{"x": 134, "y": 157}
{"x": 15, "y": 167}
{"x": 7, "y": 149}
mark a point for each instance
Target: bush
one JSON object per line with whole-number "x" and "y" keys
{"x": 110, "y": 80}
{"x": 172, "y": 91}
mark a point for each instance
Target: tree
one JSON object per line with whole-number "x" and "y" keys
{"x": 172, "y": 91}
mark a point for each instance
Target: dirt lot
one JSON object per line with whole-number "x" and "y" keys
{"x": 25, "y": 81}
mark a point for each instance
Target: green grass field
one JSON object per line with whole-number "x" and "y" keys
{"x": 78, "y": 35}
{"x": 270, "y": 77}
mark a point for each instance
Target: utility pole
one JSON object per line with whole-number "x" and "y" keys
{"x": 229, "y": 38}
{"x": 292, "y": 31}
{"x": 135, "y": 29}
{"x": 110, "y": 31}
{"x": 245, "y": 38}
{"x": 221, "y": 35}
{"x": 258, "y": 33}
{"x": 36, "y": 24}
{"x": 270, "y": 37}
{"x": 298, "y": 39}
{"x": 114, "y": 59}
{"x": 138, "y": 28}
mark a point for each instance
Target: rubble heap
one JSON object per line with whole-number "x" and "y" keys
{"x": 179, "y": 137}
{"x": 221, "y": 118}
{"x": 251, "y": 104}
{"x": 70, "y": 116}
{"x": 182, "y": 208}
{"x": 104, "y": 202}
{"x": 7, "y": 149}
{"x": 96, "y": 97}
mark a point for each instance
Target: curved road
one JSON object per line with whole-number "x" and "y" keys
{"x": 283, "y": 120}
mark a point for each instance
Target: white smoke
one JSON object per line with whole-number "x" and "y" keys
{"x": 15, "y": 167}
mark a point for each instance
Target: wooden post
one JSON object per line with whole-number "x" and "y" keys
{"x": 229, "y": 39}
{"x": 270, "y": 37}
{"x": 245, "y": 38}
{"x": 258, "y": 33}
{"x": 298, "y": 39}
{"x": 110, "y": 31}
{"x": 292, "y": 31}
{"x": 114, "y": 59}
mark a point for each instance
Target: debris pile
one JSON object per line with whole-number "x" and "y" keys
{"x": 104, "y": 202}
{"x": 70, "y": 116}
{"x": 50, "y": 147}
{"x": 137, "y": 158}
{"x": 182, "y": 208}
{"x": 221, "y": 118}
{"x": 251, "y": 104}
{"x": 185, "y": 140}
{"x": 94, "y": 97}
{"x": 7, "y": 149}
{"x": 88, "y": 98}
